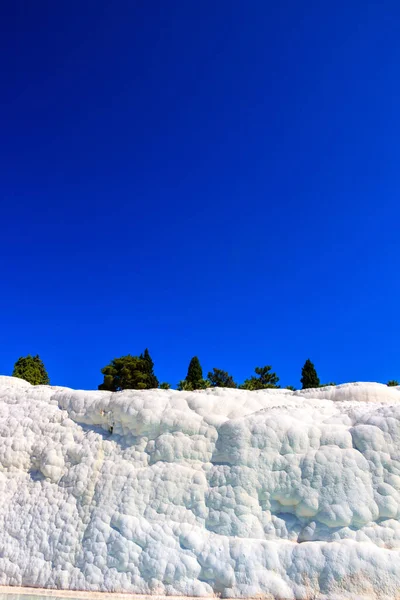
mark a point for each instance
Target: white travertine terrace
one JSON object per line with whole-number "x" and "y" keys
{"x": 273, "y": 493}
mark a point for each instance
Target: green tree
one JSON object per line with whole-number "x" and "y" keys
{"x": 290, "y": 387}
{"x": 126, "y": 373}
{"x": 393, "y": 383}
{"x": 165, "y": 386}
{"x": 195, "y": 374}
{"x": 186, "y": 386}
{"x": 152, "y": 381}
{"x": 218, "y": 378}
{"x": 204, "y": 384}
{"x": 265, "y": 379}
{"x": 32, "y": 369}
{"x": 309, "y": 377}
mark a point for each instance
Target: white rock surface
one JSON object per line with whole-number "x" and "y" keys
{"x": 271, "y": 493}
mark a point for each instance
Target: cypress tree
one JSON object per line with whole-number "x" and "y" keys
{"x": 152, "y": 381}
{"x": 309, "y": 377}
{"x": 31, "y": 369}
{"x": 194, "y": 375}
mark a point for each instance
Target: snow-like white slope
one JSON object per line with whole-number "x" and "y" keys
{"x": 269, "y": 493}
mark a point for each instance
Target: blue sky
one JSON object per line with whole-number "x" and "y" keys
{"x": 214, "y": 178}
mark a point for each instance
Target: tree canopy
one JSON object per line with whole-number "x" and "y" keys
{"x": 194, "y": 375}
{"x": 152, "y": 381}
{"x": 186, "y": 386}
{"x": 219, "y": 378}
{"x": 137, "y": 372}
{"x": 129, "y": 373}
{"x": 32, "y": 369}
{"x": 165, "y": 386}
{"x": 309, "y": 377}
{"x": 194, "y": 378}
{"x": 266, "y": 379}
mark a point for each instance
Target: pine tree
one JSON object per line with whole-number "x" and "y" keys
{"x": 165, "y": 386}
{"x": 195, "y": 374}
{"x": 392, "y": 383}
{"x": 126, "y": 373}
{"x": 218, "y": 378}
{"x": 32, "y": 369}
{"x": 265, "y": 379}
{"x": 152, "y": 381}
{"x": 309, "y": 377}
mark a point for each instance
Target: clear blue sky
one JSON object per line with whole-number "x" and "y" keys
{"x": 211, "y": 178}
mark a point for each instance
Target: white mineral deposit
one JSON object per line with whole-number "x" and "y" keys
{"x": 268, "y": 493}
